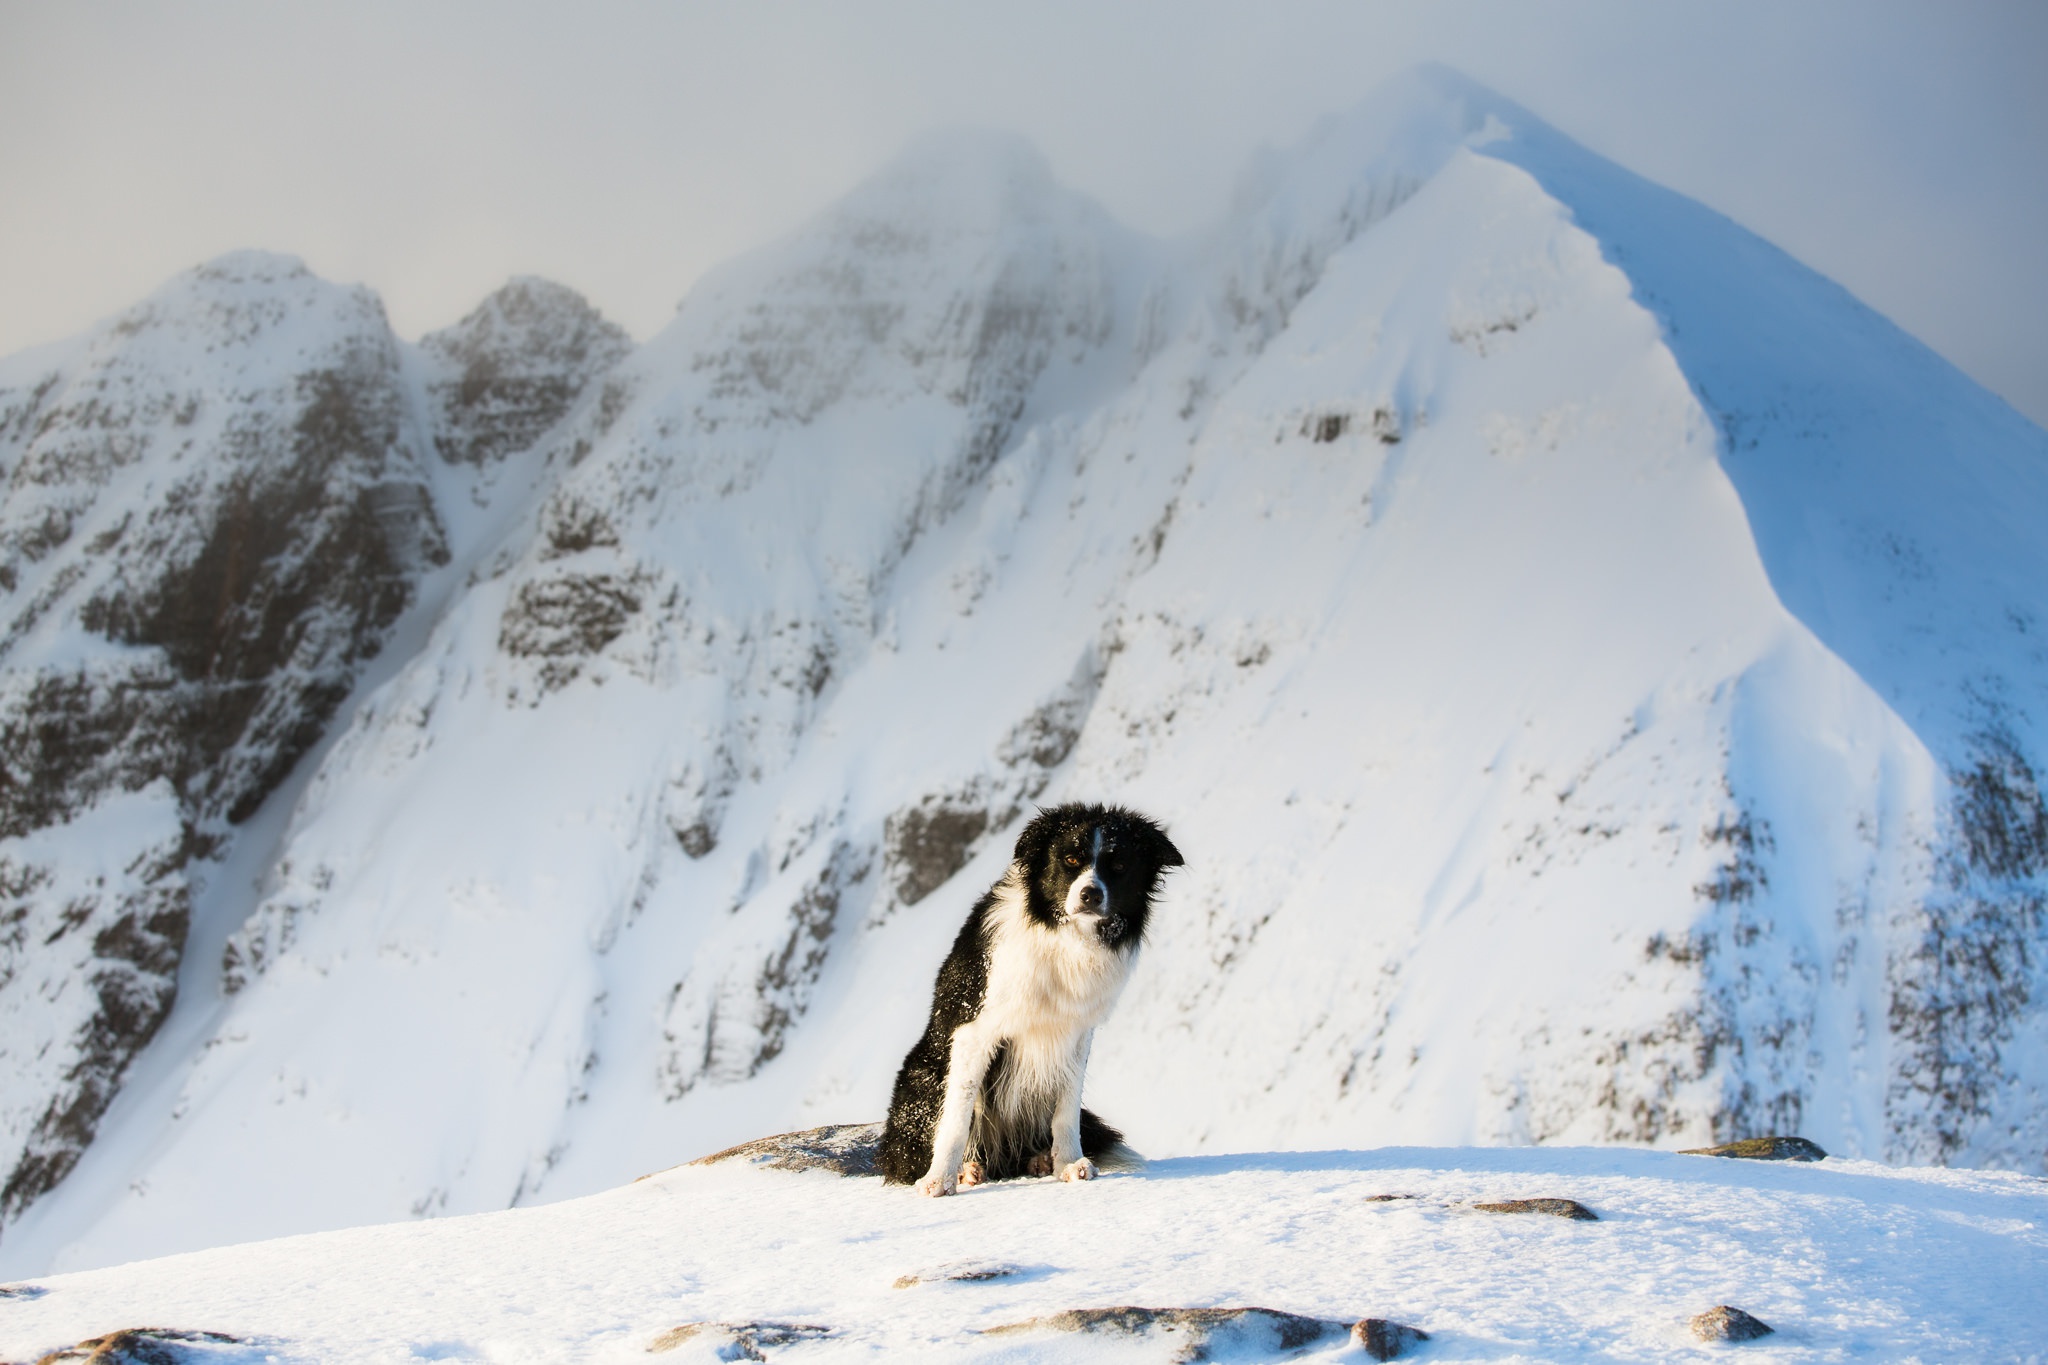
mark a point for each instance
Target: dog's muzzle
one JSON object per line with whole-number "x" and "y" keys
{"x": 1089, "y": 900}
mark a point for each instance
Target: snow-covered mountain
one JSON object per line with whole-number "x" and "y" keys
{"x": 1593, "y": 665}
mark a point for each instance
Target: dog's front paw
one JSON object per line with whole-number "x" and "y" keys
{"x": 1040, "y": 1164}
{"x": 972, "y": 1173}
{"x": 1084, "y": 1169}
{"x": 937, "y": 1185}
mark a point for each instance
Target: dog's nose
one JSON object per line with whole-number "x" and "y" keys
{"x": 1091, "y": 895}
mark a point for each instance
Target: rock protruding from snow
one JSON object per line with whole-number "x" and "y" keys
{"x": 1385, "y": 1339}
{"x": 514, "y": 366}
{"x": 1763, "y": 1149}
{"x": 737, "y": 1340}
{"x": 153, "y": 1346}
{"x": 1728, "y": 1323}
{"x": 842, "y": 1148}
{"x": 959, "y": 1272}
{"x": 1193, "y": 1333}
{"x": 1555, "y": 1208}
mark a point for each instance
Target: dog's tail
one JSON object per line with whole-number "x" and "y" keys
{"x": 1106, "y": 1147}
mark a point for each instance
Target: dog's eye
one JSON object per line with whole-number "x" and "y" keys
{"x": 1071, "y": 861}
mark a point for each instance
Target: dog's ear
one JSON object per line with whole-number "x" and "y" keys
{"x": 1036, "y": 838}
{"x": 1163, "y": 849}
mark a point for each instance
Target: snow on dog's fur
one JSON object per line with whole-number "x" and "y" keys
{"x": 993, "y": 1088}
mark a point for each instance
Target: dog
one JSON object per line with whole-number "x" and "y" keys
{"x": 992, "y": 1091}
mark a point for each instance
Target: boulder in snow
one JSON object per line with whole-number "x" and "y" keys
{"x": 958, "y": 1271}
{"x": 1556, "y": 1208}
{"x": 842, "y": 1148}
{"x": 1764, "y": 1149}
{"x": 148, "y": 1346}
{"x": 737, "y": 1340}
{"x": 1726, "y": 1323}
{"x": 1384, "y": 1339}
{"x": 1193, "y": 1330}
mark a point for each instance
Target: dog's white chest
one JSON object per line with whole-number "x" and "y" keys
{"x": 1048, "y": 989}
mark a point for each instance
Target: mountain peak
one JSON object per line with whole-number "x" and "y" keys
{"x": 512, "y": 367}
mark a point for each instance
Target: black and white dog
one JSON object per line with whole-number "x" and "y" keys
{"x": 993, "y": 1088}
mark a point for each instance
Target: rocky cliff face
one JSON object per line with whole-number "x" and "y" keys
{"x": 1588, "y": 660}
{"x": 216, "y": 507}
{"x": 510, "y": 370}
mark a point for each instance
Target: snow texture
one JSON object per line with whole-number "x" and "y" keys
{"x": 1843, "y": 1260}
{"x": 1592, "y": 664}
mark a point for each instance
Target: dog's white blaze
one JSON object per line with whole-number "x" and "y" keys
{"x": 1088, "y": 879}
{"x": 1047, "y": 990}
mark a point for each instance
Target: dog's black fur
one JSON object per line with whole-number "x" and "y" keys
{"x": 1055, "y": 939}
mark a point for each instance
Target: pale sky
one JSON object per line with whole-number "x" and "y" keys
{"x": 433, "y": 148}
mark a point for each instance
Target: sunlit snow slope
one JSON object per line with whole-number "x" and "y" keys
{"x": 1593, "y": 665}
{"x": 1843, "y": 1260}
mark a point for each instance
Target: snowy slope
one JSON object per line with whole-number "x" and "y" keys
{"x": 1844, "y": 1260}
{"x": 1589, "y": 661}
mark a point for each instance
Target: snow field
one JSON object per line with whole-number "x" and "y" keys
{"x": 1847, "y": 1260}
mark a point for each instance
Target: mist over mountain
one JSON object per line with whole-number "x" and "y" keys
{"x": 1593, "y": 665}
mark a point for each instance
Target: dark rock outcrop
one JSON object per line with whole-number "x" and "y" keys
{"x": 513, "y": 368}
{"x": 1727, "y": 1323}
{"x": 930, "y": 841}
{"x": 1384, "y": 1339}
{"x": 739, "y": 1340}
{"x": 1193, "y": 1331}
{"x": 149, "y": 1346}
{"x": 959, "y": 1272}
{"x": 1764, "y": 1149}
{"x": 212, "y": 512}
{"x": 842, "y": 1148}
{"x": 1556, "y": 1208}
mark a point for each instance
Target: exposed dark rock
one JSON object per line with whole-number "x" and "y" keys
{"x": 564, "y": 618}
{"x": 697, "y": 799}
{"x": 1044, "y": 738}
{"x": 842, "y": 1148}
{"x": 1556, "y": 1208}
{"x": 1999, "y": 808}
{"x": 1764, "y": 1149}
{"x": 1387, "y": 1198}
{"x": 1970, "y": 970}
{"x": 22, "y": 1291}
{"x": 1324, "y": 427}
{"x": 739, "y": 1340}
{"x": 1726, "y": 1323}
{"x": 958, "y": 1271}
{"x": 786, "y": 979}
{"x": 1736, "y": 1029}
{"x": 514, "y": 367}
{"x": 133, "y": 983}
{"x": 147, "y": 1346}
{"x": 67, "y": 738}
{"x": 725, "y": 1026}
{"x": 927, "y": 843}
{"x": 1194, "y": 1331}
{"x": 1383, "y": 1339}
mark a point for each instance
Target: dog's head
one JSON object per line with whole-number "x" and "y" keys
{"x": 1095, "y": 867}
